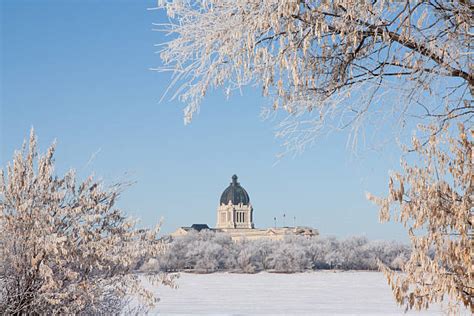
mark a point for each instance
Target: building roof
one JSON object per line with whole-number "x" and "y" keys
{"x": 235, "y": 193}
{"x": 199, "y": 227}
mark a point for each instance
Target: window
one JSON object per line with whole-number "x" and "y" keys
{"x": 239, "y": 217}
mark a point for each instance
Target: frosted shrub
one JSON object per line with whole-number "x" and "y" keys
{"x": 64, "y": 246}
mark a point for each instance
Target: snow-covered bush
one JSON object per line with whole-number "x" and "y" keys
{"x": 64, "y": 246}
{"x": 208, "y": 251}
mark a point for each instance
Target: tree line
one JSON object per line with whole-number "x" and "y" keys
{"x": 208, "y": 251}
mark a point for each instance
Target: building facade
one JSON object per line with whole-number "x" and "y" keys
{"x": 235, "y": 217}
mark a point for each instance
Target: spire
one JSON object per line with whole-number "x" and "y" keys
{"x": 234, "y": 179}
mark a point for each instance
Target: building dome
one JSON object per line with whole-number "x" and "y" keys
{"x": 235, "y": 193}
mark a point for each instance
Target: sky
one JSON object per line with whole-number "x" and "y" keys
{"x": 79, "y": 72}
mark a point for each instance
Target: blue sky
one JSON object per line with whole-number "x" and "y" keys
{"x": 78, "y": 71}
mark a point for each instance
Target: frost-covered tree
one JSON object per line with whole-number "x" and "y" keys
{"x": 355, "y": 253}
{"x": 245, "y": 261}
{"x": 65, "y": 248}
{"x": 338, "y": 61}
{"x": 290, "y": 256}
{"x": 208, "y": 252}
{"x": 434, "y": 201}
{"x": 263, "y": 249}
{"x": 336, "y": 64}
{"x": 207, "y": 257}
{"x": 203, "y": 252}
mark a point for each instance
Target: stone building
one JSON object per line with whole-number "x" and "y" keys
{"x": 235, "y": 210}
{"x": 235, "y": 217}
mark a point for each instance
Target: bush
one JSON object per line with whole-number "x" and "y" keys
{"x": 65, "y": 248}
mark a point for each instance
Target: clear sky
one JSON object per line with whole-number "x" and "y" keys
{"x": 78, "y": 71}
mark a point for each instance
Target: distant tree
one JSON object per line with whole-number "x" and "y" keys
{"x": 228, "y": 250}
{"x": 290, "y": 257}
{"x": 317, "y": 252}
{"x": 203, "y": 252}
{"x": 390, "y": 253}
{"x": 64, "y": 246}
{"x": 207, "y": 261}
{"x": 246, "y": 261}
{"x": 434, "y": 201}
{"x": 353, "y": 253}
{"x": 263, "y": 249}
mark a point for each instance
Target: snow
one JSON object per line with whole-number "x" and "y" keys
{"x": 312, "y": 293}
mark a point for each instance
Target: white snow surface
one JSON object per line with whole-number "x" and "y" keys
{"x": 312, "y": 293}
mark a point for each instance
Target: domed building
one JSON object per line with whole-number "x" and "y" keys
{"x": 235, "y": 210}
{"x": 235, "y": 217}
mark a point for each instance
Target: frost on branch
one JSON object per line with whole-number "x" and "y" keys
{"x": 434, "y": 201}
{"x": 326, "y": 63}
{"x": 64, "y": 247}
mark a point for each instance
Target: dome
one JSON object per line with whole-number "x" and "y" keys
{"x": 235, "y": 193}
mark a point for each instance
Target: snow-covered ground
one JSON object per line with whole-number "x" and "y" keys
{"x": 312, "y": 293}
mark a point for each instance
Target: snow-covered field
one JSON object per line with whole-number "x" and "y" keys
{"x": 312, "y": 293}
